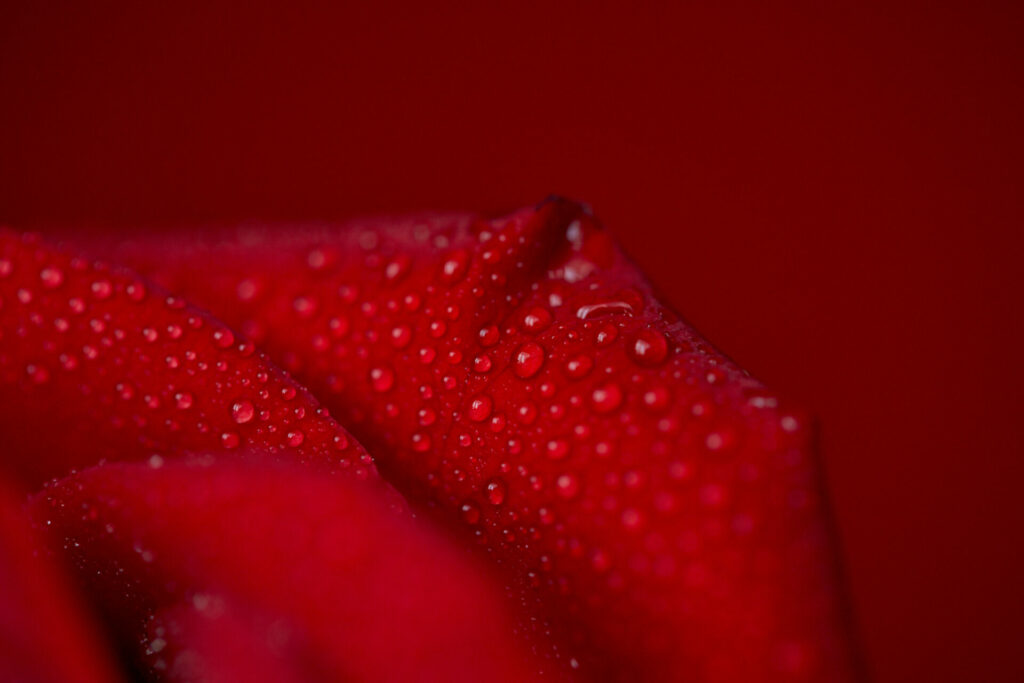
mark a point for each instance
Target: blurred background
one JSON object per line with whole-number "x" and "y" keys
{"x": 831, "y": 195}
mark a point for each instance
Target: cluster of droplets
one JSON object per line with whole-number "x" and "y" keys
{"x": 160, "y": 374}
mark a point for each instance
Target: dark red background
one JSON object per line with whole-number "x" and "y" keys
{"x": 832, "y": 196}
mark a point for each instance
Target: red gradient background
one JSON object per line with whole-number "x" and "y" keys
{"x": 831, "y": 195}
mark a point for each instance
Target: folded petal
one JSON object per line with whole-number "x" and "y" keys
{"x": 519, "y": 376}
{"x": 320, "y": 580}
{"x": 47, "y": 634}
{"x": 96, "y": 364}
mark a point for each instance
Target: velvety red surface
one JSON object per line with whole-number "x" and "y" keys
{"x": 829, "y": 196}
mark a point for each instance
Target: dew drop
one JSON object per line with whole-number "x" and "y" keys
{"x": 496, "y": 490}
{"x": 606, "y": 398}
{"x": 578, "y": 366}
{"x": 305, "y": 306}
{"x": 607, "y": 334}
{"x": 102, "y": 289}
{"x": 242, "y": 411}
{"x": 183, "y": 400}
{"x": 401, "y": 335}
{"x": 649, "y": 347}
{"x": 489, "y": 336}
{"x": 223, "y": 338}
{"x": 295, "y": 438}
{"x": 567, "y": 485}
{"x": 229, "y": 440}
{"x": 480, "y": 408}
{"x": 557, "y": 449}
{"x": 52, "y": 277}
{"x": 536, "y": 319}
{"x": 454, "y": 267}
{"x": 420, "y": 442}
{"x": 482, "y": 363}
{"x": 470, "y": 512}
{"x": 382, "y": 379}
{"x": 528, "y": 360}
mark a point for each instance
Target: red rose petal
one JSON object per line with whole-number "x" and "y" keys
{"x": 45, "y": 631}
{"x": 97, "y": 364}
{"x": 326, "y": 581}
{"x": 656, "y": 502}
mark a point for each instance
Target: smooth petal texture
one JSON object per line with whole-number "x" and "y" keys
{"x": 46, "y": 632}
{"x": 97, "y": 365}
{"x": 647, "y": 497}
{"x": 318, "y": 579}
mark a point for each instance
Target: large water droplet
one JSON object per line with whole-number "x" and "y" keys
{"x": 536, "y": 319}
{"x": 242, "y": 411}
{"x": 480, "y": 408}
{"x": 528, "y": 360}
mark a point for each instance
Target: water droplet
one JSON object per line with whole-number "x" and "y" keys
{"x": 288, "y": 393}
{"x": 37, "y": 373}
{"x": 397, "y": 267}
{"x": 578, "y": 366}
{"x": 183, "y": 400}
{"x": 496, "y": 490}
{"x": 454, "y": 267}
{"x": 536, "y": 320}
{"x": 632, "y": 519}
{"x": 567, "y": 485}
{"x": 136, "y": 291}
{"x": 150, "y": 335}
{"x": 102, "y": 289}
{"x": 401, "y": 335}
{"x": 470, "y": 512}
{"x": 6, "y": 267}
{"x": 649, "y": 347}
{"x": 420, "y": 442}
{"x": 607, "y": 334}
{"x": 789, "y": 423}
{"x": 229, "y": 440}
{"x": 527, "y": 413}
{"x": 480, "y": 408}
{"x": 52, "y": 277}
{"x": 604, "y": 308}
{"x": 482, "y": 363}
{"x": 427, "y": 355}
{"x": 528, "y": 360}
{"x": 305, "y": 306}
{"x": 606, "y": 398}
{"x": 295, "y": 438}
{"x": 223, "y": 338}
{"x": 656, "y": 399}
{"x": 489, "y": 336}
{"x": 382, "y": 379}
{"x": 557, "y": 449}
{"x": 242, "y": 411}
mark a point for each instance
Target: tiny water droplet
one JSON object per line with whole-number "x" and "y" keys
{"x": 382, "y": 379}
{"x": 470, "y": 512}
{"x": 606, "y": 398}
{"x": 223, "y": 337}
{"x": 52, "y": 277}
{"x": 496, "y": 490}
{"x": 102, "y": 289}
